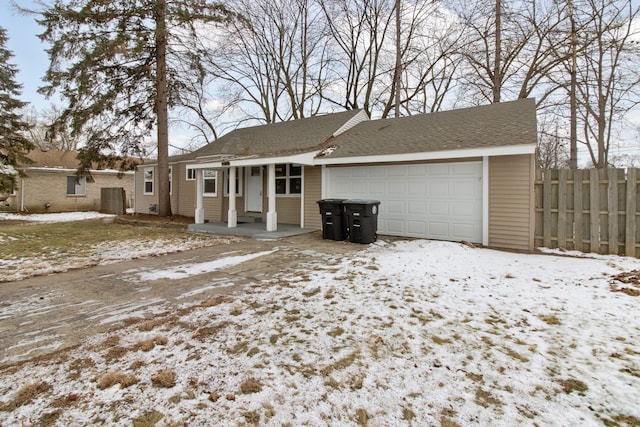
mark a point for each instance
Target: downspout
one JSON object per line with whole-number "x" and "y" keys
{"x": 302, "y": 199}
{"x": 485, "y": 201}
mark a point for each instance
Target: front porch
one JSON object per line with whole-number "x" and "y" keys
{"x": 256, "y": 230}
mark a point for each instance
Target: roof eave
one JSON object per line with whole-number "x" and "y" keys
{"x": 431, "y": 155}
{"x": 300, "y": 159}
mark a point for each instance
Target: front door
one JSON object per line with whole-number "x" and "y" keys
{"x": 254, "y": 189}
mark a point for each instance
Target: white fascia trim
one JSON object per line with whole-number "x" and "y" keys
{"x": 433, "y": 155}
{"x": 358, "y": 118}
{"x": 306, "y": 159}
{"x": 66, "y": 170}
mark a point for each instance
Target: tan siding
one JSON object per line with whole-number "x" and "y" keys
{"x": 288, "y": 209}
{"x": 143, "y": 201}
{"x": 50, "y": 187}
{"x": 511, "y": 180}
{"x": 312, "y": 193}
{"x": 186, "y": 201}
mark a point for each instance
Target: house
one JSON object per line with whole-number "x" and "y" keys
{"x": 50, "y": 185}
{"x": 461, "y": 175}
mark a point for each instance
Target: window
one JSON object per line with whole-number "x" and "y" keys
{"x": 170, "y": 180}
{"x": 288, "y": 179}
{"x": 76, "y": 186}
{"x": 148, "y": 181}
{"x": 210, "y": 181}
{"x": 238, "y": 182}
{"x": 191, "y": 174}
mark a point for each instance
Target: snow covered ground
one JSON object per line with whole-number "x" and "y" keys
{"x": 103, "y": 253}
{"x": 54, "y": 217}
{"x": 405, "y": 333}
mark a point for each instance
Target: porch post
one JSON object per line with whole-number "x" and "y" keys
{"x": 272, "y": 215}
{"x": 232, "y": 216}
{"x": 199, "y": 214}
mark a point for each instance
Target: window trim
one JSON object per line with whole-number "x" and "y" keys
{"x": 287, "y": 179}
{"x": 80, "y": 183}
{"x": 204, "y": 178}
{"x": 151, "y": 181}
{"x": 191, "y": 174}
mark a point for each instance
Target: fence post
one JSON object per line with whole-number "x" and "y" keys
{"x": 562, "y": 208}
{"x": 546, "y": 213}
{"x": 612, "y": 208}
{"x": 594, "y": 210}
{"x": 578, "y": 243}
{"x": 630, "y": 213}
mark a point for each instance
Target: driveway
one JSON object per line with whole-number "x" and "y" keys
{"x": 40, "y": 315}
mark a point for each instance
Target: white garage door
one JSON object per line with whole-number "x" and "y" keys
{"x": 436, "y": 201}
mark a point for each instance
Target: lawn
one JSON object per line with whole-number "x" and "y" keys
{"x": 57, "y": 242}
{"x": 413, "y": 333}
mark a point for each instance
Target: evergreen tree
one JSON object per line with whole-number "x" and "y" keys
{"x": 14, "y": 146}
{"x": 116, "y": 64}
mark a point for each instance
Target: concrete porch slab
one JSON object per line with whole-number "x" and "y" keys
{"x": 256, "y": 230}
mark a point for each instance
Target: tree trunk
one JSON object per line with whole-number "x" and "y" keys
{"x": 573, "y": 136}
{"x": 164, "y": 200}
{"x": 497, "y": 77}
{"x": 397, "y": 71}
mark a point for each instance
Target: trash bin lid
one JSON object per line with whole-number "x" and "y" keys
{"x": 334, "y": 201}
{"x": 361, "y": 202}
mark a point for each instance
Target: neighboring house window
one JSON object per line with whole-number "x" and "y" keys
{"x": 76, "y": 186}
{"x": 191, "y": 174}
{"x": 288, "y": 179}
{"x": 148, "y": 181}
{"x": 170, "y": 180}
{"x": 210, "y": 181}
{"x": 238, "y": 182}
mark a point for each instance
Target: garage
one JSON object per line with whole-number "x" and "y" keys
{"x": 428, "y": 200}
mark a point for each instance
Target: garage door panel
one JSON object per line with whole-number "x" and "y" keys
{"x": 438, "y": 169}
{"x": 439, "y": 230}
{"x": 437, "y": 208}
{"x": 417, "y": 170}
{"x": 466, "y": 168}
{"x": 395, "y": 226}
{"x": 417, "y": 207}
{"x": 417, "y": 189}
{"x": 396, "y": 187}
{"x": 417, "y": 228}
{"x": 464, "y": 188}
{"x": 439, "y": 188}
{"x": 394, "y": 207}
{"x": 439, "y": 201}
{"x": 463, "y": 231}
{"x": 396, "y": 171}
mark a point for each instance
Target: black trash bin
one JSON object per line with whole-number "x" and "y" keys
{"x": 334, "y": 226}
{"x": 362, "y": 220}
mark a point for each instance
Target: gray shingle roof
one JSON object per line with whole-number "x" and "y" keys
{"x": 495, "y": 125}
{"x": 278, "y": 139}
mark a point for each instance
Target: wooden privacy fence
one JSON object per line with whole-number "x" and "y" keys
{"x": 589, "y": 210}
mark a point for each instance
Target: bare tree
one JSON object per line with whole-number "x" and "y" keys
{"x": 609, "y": 83}
{"x": 511, "y": 49}
{"x": 361, "y": 32}
{"x": 41, "y": 137}
{"x": 271, "y": 65}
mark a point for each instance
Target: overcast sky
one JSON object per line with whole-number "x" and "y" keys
{"x": 29, "y": 53}
{"x": 32, "y": 62}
